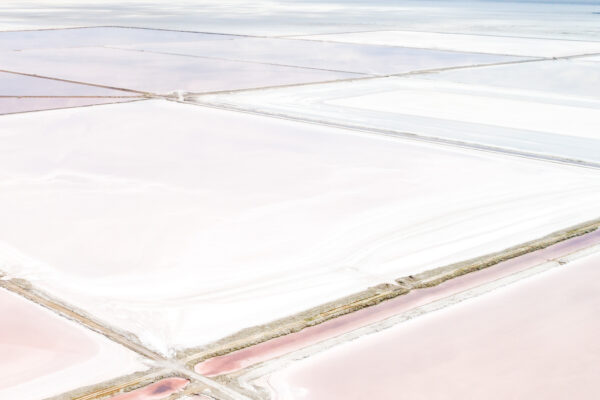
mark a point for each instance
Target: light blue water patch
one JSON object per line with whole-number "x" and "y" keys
{"x": 527, "y": 141}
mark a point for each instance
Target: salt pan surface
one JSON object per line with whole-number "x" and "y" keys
{"x": 516, "y": 46}
{"x": 182, "y": 224}
{"x": 548, "y": 108}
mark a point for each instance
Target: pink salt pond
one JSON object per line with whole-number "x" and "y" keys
{"x": 23, "y": 93}
{"x": 534, "y": 339}
{"x": 279, "y": 346}
{"x": 43, "y": 355}
{"x": 10, "y": 105}
{"x": 156, "y": 391}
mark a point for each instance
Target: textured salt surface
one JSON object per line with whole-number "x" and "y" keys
{"x": 517, "y": 46}
{"x": 44, "y": 355}
{"x": 548, "y": 108}
{"x": 157, "y": 73}
{"x": 536, "y": 338}
{"x": 573, "y": 80}
{"x": 282, "y": 345}
{"x": 455, "y": 102}
{"x": 281, "y": 216}
{"x": 312, "y": 54}
{"x": 9, "y": 105}
{"x": 156, "y": 391}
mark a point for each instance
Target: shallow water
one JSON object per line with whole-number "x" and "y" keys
{"x": 533, "y": 339}
{"x": 155, "y": 391}
{"x": 10, "y": 105}
{"x": 44, "y": 354}
{"x": 23, "y": 85}
{"x": 192, "y": 194}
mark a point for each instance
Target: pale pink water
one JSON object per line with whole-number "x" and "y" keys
{"x": 9, "y": 105}
{"x": 156, "y": 391}
{"x": 285, "y": 344}
{"x": 35, "y": 342}
{"x": 19, "y": 85}
{"x": 158, "y": 73}
{"x": 536, "y": 339}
